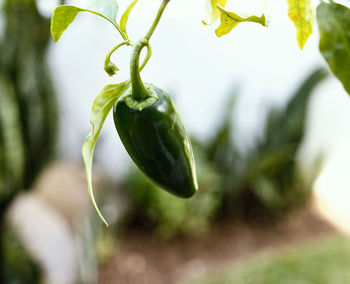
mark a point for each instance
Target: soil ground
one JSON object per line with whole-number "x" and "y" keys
{"x": 141, "y": 258}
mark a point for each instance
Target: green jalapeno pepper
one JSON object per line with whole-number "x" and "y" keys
{"x": 154, "y": 136}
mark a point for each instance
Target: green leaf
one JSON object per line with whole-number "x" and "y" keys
{"x": 334, "y": 25}
{"x": 301, "y": 12}
{"x": 229, "y": 20}
{"x": 64, "y": 15}
{"x": 125, "y": 16}
{"x": 102, "y": 105}
{"x": 212, "y": 11}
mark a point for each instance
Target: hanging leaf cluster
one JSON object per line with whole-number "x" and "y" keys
{"x": 61, "y": 19}
{"x": 333, "y": 21}
{"x": 228, "y": 20}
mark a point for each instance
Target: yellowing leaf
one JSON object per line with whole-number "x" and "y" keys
{"x": 102, "y": 105}
{"x": 213, "y": 12}
{"x": 229, "y": 20}
{"x": 301, "y": 12}
{"x": 64, "y": 15}
{"x": 125, "y": 17}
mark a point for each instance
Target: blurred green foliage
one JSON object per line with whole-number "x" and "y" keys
{"x": 17, "y": 265}
{"x": 28, "y": 120}
{"x": 28, "y": 107}
{"x": 322, "y": 262}
{"x": 265, "y": 183}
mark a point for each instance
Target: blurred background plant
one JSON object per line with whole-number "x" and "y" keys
{"x": 17, "y": 265}
{"x": 28, "y": 121}
{"x": 28, "y": 102}
{"x": 33, "y": 202}
{"x": 266, "y": 182}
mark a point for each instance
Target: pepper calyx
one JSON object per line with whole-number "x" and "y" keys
{"x": 140, "y": 104}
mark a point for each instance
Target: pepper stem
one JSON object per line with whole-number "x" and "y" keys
{"x": 139, "y": 91}
{"x": 157, "y": 19}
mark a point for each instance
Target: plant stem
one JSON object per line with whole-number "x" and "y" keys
{"x": 139, "y": 91}
{"x": 109, "y": 54}
{"x": 148, "y": 56}
{"x": 157, "y": 19}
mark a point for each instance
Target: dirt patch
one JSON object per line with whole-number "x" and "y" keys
{"x": 144, "y": 259}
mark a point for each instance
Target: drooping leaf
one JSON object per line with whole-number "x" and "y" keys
{"x": 334, "y": 25}
{"x": 229, "y": 20}
{"x": 125, "y": 16}
{"x": 301, "y": 12}
{"x": 212, "y": 11}
{"x": 64, "y": 15}
{"x": 102, "y": 105}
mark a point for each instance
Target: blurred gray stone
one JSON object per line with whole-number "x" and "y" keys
{"x": 54, "y": 221}
{"x": 47, "y": 237}
{"x": 63, "y": 185}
